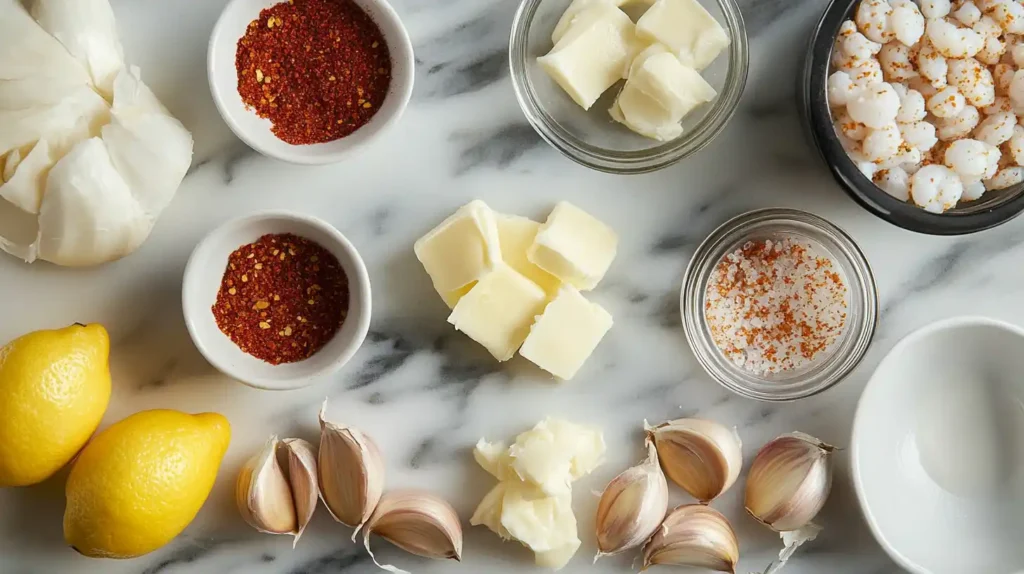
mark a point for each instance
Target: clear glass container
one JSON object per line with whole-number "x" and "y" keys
{"x": 830, "y": 366}
{"x": 591, "y": 137}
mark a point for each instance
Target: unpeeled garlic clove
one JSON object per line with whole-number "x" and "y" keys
{"x": 694, "y": 535}
{"x": 789, "y": 481}
{"x": 302, "y": 477}
{"x": 703, "y": 457}
{"x": 418, "y": 522}
{"x": 632, "y": 506}
{"x": 351, "y": 473}
{"x": 263, "y": 494}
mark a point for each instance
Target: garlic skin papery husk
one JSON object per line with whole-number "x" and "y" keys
{"x": 703, "y": 457}
{"x": 632, "y": 506}
{"x": 418, "y": 522}
{"x": 300, "y": 458}
{"x": 694, "y": 535}
{"x": 263, "y": 494}
{"x": 88, "y": 31}
{"x": 789, "y": 481}
{"x": 351, "y": 472}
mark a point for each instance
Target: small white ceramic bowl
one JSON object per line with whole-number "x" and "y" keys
{"x": 255, "y": 131}
{"x": 938, "y": 449}
{"x": 203, "y": 275}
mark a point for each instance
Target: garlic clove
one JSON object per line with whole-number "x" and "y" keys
{"x": 418, "y": 522}
{"x": 703, "y": 457}
{"x": 302, "y": 477}
{"x": 789, "y": 481}
{"x": 632, "y": 506}
{"x": 263, "y": 495}
{"x": 351, "y": 473}
{"x": 694, "y": 535}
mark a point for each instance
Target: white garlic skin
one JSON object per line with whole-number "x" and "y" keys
{"x": 789, "y": 481}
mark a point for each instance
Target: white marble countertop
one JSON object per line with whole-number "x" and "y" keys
{"x": 425, "y": 393}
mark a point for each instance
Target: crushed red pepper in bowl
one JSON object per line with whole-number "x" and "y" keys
{"x": 282, "y": 298}
{"x": 317, "y": 69}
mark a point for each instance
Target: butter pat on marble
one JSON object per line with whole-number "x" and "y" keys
{"x": 461, "y": 250}
{"x": 574, "y": 246}
{"x": 499, "y": 310}
{"x": 566, "y": 334}
{"x": 686, "y": 28}
{"x": 517, "y": 234}
{"x": 591, "y": 54}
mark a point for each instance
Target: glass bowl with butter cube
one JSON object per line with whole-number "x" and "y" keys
{"x": 628, "y": 86}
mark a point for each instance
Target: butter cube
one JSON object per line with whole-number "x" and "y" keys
{"x": 644, "y": 115}
{"x": 570, "y": 14}
{"x": 566, "y": 334}
{"x": 517, "y": 234}
{"x": 498, "y": 311}
{"x": 461, "y": 250}
{"x": 590, "y": 56}
{"x": 451, "y": 298}
{"x": 574, "y": 246}
{"x": 686, "y": 28}
{"x": 556, "y": 452}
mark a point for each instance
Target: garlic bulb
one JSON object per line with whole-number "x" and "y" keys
{"x": 263, "y": 494}
{"x": 696, "y": 536}
{"x": 632, "y": 506}
{"x": 418, "y": 522}
{"x": 351, "y": 473}
{"x": 703, "y": 457}
{"x": 789, "y": 481}
{"x": 89, "y": 32}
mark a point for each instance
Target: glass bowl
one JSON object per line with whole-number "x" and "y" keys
{"x": 591, "y": 137}
{"x": 831, "y": 366}
{"x": 994, "y": 208}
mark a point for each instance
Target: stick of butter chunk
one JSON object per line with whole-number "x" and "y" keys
{"x": 566, "y": 334}
{"x": 461, "y": 250}
{"x": 498, "y": 311}
{"x": 591, "y": 54}
{"x": 574, "y": 246}
{"x": 516, "y": 235}
{"x": 687, "y": 28}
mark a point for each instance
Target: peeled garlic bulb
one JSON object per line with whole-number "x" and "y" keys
{"x": 418, "y": 522}
{"x": 302, "y": 477}
{"x": 351, "y": 473}
{"x": 263, "y": 495}
{"x": 789, "y": 481}
{"x": 632, "y": 506}
{"x": 703, "y": 457}
{"x": 696, "y": 536}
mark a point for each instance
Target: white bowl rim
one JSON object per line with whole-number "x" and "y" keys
{"x": 859, "y": 417}
{"x": 359, "y": 287}
{"x": 403, "y": 88}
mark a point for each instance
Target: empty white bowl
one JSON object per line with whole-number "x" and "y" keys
{"x": 255, "y": 131}
{"x": 203, "y": 275}
{"x": 938, "y": 449}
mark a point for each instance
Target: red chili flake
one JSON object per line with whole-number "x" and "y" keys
{"x": 282, "y": 298}
{"x": 317, "y": 69}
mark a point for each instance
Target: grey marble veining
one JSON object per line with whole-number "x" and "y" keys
{"x": 426, "y": 393}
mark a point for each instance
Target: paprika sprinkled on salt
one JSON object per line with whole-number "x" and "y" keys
{"x": 317, "y": 69}
{"x": 282, "y": 298}
{"x": 775, "y": 306}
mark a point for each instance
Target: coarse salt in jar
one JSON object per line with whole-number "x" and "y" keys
{"x": 778, "y": 304}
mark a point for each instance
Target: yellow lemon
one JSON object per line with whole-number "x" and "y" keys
{"x": 139, "y": 483}
{"x": 54, "y": 389}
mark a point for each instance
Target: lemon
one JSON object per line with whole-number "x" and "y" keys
{"x": 139, "y": 483}
{"x": 54, "y": 389}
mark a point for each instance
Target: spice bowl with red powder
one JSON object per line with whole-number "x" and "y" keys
{"x": 778, "y": 304}
{"x": 276, "y": 300}
{"x": 310, "y": 81}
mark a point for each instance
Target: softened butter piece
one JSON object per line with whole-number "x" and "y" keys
{"x": 556, "y": 452}
{"x": 644, "y": 115}
{"x": 462, "y": 249}
{"x": 516, "y": 235}
{"x": 659, "y": 93}
{"x": 566, "y": 334}
{"x": 557, "y": 558}
{"x": 499, "y": 310}
{"x": 590, "y": 56}
{"x": 574, "y": 246}
{"x": 493, "y": 457}
{"x": 488, "y": 512}
{"x": 452, "y": 298}
{"x": 686, "y": 28}
{"x": 540, "y": 522}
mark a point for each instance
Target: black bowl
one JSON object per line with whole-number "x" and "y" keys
{"x": 994, "y": 208}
